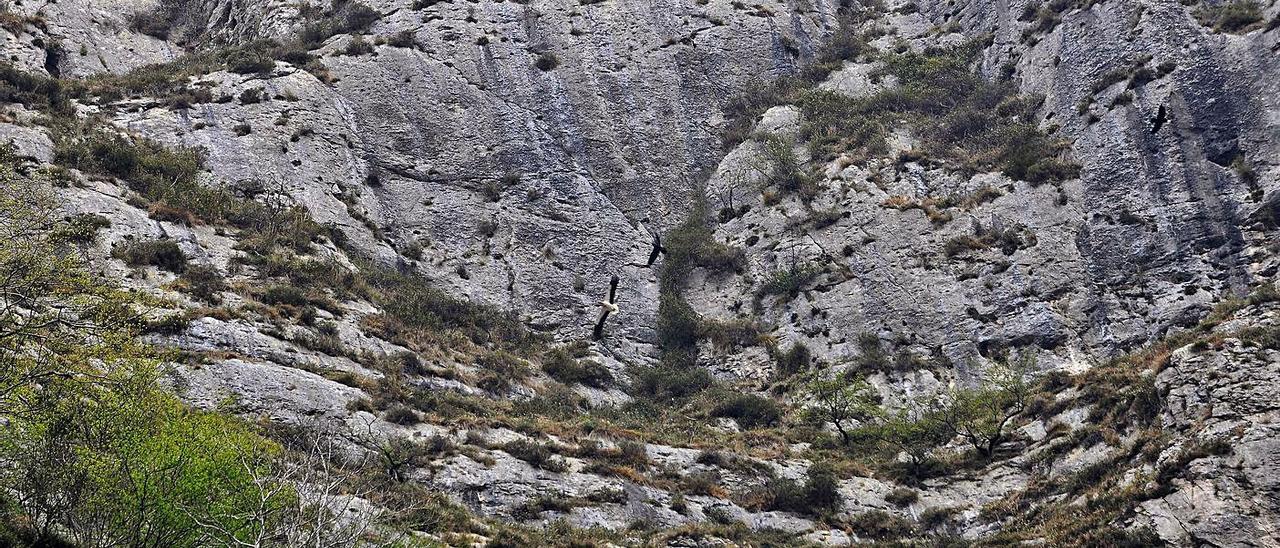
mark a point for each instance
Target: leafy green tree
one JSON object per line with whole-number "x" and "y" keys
{"x": 842, "y": 402}
{"x": 93, "y": 450}
{"x": 981, "y": 415}
{"x": 913, "y": 430}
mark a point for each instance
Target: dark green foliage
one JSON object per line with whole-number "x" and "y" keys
{"x": 250, "y": 61}
{"x": 286, "y": 295}
{"x": 204, "y": 283}
{"x": 33, "y": 90}
{"x": 961, "y": 117}
{"x": 795, "y": 360}
{"x": 170, "y": 180}
{"x": 902, "y": 496}
{"x": 149, "y": 168}
{"x": 415, "y": 304}
{"x": 881, "y": 525}
{"x": 537, "y": 454}
{"x": 789, "y": 282}
{"x": 749, "y": 410}
{"x": 1234, "y": 16}
{"x": 691, "y": 244}
{"x": 81, "y": 229}
{"x": 666, "y": 382}
{"x": 400, "y": 415}
{"x": 357, "y": 46}
{"x": 678, "y": 328}
{"x": 818, "y": 495}
{"x": 546, "y": 61}
{"x": 1008, "y": 240}
{"x": 344, "y": 17}
{"x": 744, "y": 109}
{"x": 566, "y": 364}
{"x": 164, "y": 254}
{"x": 784, "y": 171}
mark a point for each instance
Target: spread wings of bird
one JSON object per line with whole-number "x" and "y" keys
{"x": 607, "y": 308}
{"x": 657, "y": 249}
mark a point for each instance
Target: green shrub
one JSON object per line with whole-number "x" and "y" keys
{"x": 881, "y": 525}
{"x": 546, "y": 61}
{"x": 147, "y": 167}
{"x": 248, "y": 61}
{"x": 357, "y": 46}
{"x": 566, "y": 365}
{"x": 164, "y": 254}
{"x": 411, "y": 303}
{"x": 784, "y": 171}
{"x": 974, "y": 123}
{"x": 734, "y": 333}
{"x": 789, "y": 282}
{"x": 690, "y": 244}
{"x": 793, "y": 361}
{"x": 285, "y": 295}
{"x": 81, "y": 229}
{"x": 401, "y": 415}
{"x": 937, "y": 516}
{"x": 678, "y": 325}
{"x": 537, "y": 454}
{"x": 204, "y": 283}
{"x": 818, "y": 495}
{"x": 33, "y": 90}
{"x": 665, "y": 382}
{"x": 902, "y": 496}
{"x": 749, "y": 410}
{"x": 1234, "y": 16}
{"x": 703, "y": 483}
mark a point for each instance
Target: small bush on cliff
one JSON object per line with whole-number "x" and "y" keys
{"x": 749, "y": 410}
{"x": 975, "y": 123}
{"x": 818, "y": 495}
{"x": 164, "y": 254}
{"x": 566, "y": 365}
{"x": 1235, "y": 16}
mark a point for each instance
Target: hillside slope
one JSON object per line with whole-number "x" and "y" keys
{"x": 390, "y": 225}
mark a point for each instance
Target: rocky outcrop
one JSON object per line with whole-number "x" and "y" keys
{"x": 519, "y": 154}
{"x": 1162, "y": 222}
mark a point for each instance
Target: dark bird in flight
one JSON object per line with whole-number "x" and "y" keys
{"x": 606, "y": 308}
{"x": 1160, "y": 119}
{"x": 657, "y": 249}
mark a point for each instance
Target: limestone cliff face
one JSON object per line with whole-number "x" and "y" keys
{"x": 520, "y": 183}
{"x": 1170, "y": 212}
{"x": 519, "y": 154}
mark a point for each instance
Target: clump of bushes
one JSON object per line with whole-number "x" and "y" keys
{"x": 669, "y": 382}
{"x": 818, "y": 495}
{"x": 881, "y": 525}
{"x": 1235, "y": 16}
{"x": 793, "y": 361}
{"x": 691, "y": 244}
{"x": 357, "y": 46}
{"x": 784, "y": 171}
{"x": 164, "y": 254}
{"x": 546, "y": 61}
{"x": 976, "y": 124}
{"x": 1007, "y": 240}
{"x": 148, "y": 167}
{"x": 749, "y": 410}
{"x": 902, "y": 496}
{"x": 539, "y": 455}
{"x": 204, "y": 283}
{"x": 285, "y": 295}
{"x": 566, "y": 364}
{"x": 400, "y": 415}
{"x": 409, "y": 303}
{"x": 789, "y": 282}
{"x": 81, "y": 229}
